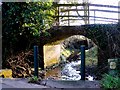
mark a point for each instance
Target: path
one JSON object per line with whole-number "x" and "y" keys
{"x": 22, "y": 83}
{"x": 18, "y": 83}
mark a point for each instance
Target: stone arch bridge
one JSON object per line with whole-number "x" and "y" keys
{"x": 105, "y": 36}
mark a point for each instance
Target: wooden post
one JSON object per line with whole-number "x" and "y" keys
{"x": 68, "y": 17}
{"x": 94, "y": 16}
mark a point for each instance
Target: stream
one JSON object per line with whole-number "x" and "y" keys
{"x": 69, "y": 71}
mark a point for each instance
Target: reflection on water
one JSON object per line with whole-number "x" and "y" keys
{"x": 54, "y": 73}
{"x": 70, "y": 71}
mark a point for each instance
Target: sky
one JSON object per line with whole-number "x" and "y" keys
{"x": 98, "y": 14}
{"x": 107, "y": 2}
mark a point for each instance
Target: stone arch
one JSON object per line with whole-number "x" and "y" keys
{"x": 100, "y": 34}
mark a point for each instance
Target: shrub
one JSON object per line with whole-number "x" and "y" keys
{"x": 111, "y": 82}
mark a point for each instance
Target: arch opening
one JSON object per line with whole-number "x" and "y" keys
{"x": 68, "y": 50}
{"x": 100, "y": 34}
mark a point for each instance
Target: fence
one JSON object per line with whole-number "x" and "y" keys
{"x": 86, "y": 13}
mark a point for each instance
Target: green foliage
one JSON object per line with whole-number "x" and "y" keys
{"x": 91, "y": 56}
{"x": 23, "y": 23}
{"x": 37, "y": 17}
{"x": 110, "y": 82}
{"x": 98, "y": 32}
{"x": 33, "y": 79}
{"x": 66, "y": 52}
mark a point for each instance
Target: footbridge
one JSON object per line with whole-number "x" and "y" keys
{"x": 82, "y": 19}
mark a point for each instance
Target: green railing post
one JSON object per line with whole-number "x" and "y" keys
{"x": 82, "y": 62}
{"x": 36, "y": 61}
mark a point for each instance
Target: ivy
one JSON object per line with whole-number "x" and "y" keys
{"x": 23, "y": 23}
